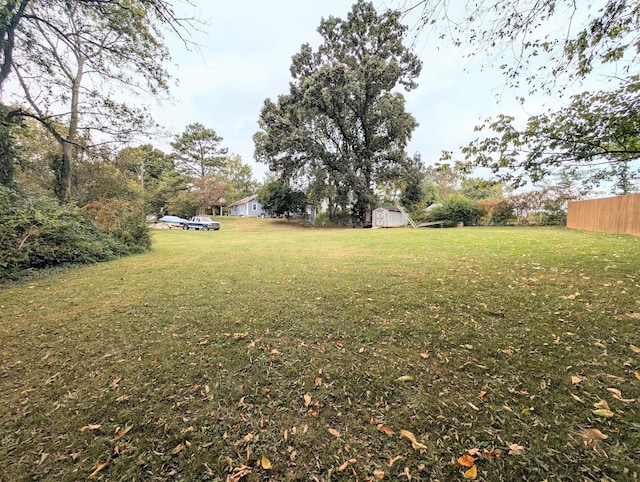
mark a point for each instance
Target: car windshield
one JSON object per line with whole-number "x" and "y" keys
{"x": 206, "y": 220}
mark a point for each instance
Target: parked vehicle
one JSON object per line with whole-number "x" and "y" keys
{"x": 200, "y": 222}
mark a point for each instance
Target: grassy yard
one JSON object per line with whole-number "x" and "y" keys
{"x": 271, "y": 352}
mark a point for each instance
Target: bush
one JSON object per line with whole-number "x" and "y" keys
{"x": 124, "y": 220}
{"x": 495, "y": 211}
{"x": 456, "y": 209}
{"x": 40, "y": 232}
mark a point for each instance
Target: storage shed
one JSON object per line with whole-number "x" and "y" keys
{"x": 389, "y": 217}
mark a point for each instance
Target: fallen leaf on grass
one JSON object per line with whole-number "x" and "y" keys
{"x": 347, "y": 464}
{"x": 602, "y": 404}
{"x": 412, "y": 438}
{"x": 238, "y": 473}
{"x": 44, "y": 456}
{"x": 576, "y": 397}
{"x": 180, "y": 447}
{"x": 100, "y": 467}
{"x": 594, "y": 434}
{"x": 405, "y": 378}
{"x": 576, "y": 380}
{"x": 333, "y": 432}
{"x": 93, "y": 426}
{"x": 472, "y": 473}
{"x": 492, "y": 454}
{"x": 483, "y": 396}
{"x": 466, "y": 461}
{"x": 318, "y": 382}
{"x": 122, "y": 431}
{"x": 634, "y": 348}
{"x": 378, "y": 474}
{"x": 119, "y": 449}
{"x": 424, "y": 355}
{"x": 515, "y": 449}
{"x": 637, "y": 375}
{"x": 307, "y": 399}
{"x": 266, "y": 463}
{"x": 603, "y": 412}
{"x": 384, "y": 429}
{"x": 394, "y": 460}
{"x": 617, "y": 394}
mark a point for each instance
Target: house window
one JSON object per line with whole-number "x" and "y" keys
{"x": 254, "y": 206}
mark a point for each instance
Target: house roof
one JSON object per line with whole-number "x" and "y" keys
{"x": 244, "y": 200}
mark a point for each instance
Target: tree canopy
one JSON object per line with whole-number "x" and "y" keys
{"x": 548, "y": 45}
{"x": 71, "y": 64}
{"x": 343, "y": 124}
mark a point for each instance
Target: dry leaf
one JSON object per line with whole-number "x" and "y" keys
{"x": 405, "y": 378}
{"x": 333, "y": 432}
{"x": 318, "y": 382}
{"x": 93, "y": 426}
{"x": 384, "y": 429}
{"x": 603, "y": 412}
{"x": 515, "y": 449}
{"x": 119, "y": 449}
{"x": 394, "y": 460}
{"x": 634, "y": 348}
{"x": 466, "y": 461}
{"x": 472, "y": 473}
{"x": 347, "y": 464}
{"x": 637, "y": 375}
{"x": 602, "y": 404}
{"x": 474, "y": 452}
{"x": 483, "y": 396}
{"x": 412, "y": 438}
{"x": 313, "y": 413}
{"x": 617, "y": 394}
{"x": 576, "y": 380}
{"x": 121, "y": 432}
{"x": 492, "y": 454}
{"x": 594, "y": 434}
{"x": 238, "y": 473}
{"x": 424, "y": 355}
{"x": 266, "y": 463}
{"x": 634, "y": 315}
{"x": 100, "y": 467}
{"x": 576, "y": 397}
{"x": 179, "y": 448}
{"x": 307, "y": 399}
{"x": 378, "y": 474}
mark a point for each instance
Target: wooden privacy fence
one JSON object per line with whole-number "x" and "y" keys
{"x": 609, "y": 215}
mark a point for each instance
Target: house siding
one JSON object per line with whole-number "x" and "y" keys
{"x": 249, "y": 207}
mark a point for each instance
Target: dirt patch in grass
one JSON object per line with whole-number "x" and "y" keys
{"x": 269, "y": 353}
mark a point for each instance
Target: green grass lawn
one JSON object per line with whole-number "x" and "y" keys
{"x": 266, "y": 351}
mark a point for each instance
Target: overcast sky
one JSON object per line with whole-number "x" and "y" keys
{"x": 245, "y": 55}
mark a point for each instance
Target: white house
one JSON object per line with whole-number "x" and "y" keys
{"x": 248, "y": 206}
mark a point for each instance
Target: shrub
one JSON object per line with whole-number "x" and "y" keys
{"x": 494, "y": 211}
{"x": 40, "y": 232}
{"x": 455, "y": 209}
{"x": 124, "y": 220}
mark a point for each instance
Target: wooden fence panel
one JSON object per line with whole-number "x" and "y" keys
{"x": 610, "y": 215}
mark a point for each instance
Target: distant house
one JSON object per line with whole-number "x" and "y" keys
{"x": 248, "y": 206}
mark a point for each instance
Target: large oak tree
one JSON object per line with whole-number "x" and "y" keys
{"x": 343, "y": 123}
